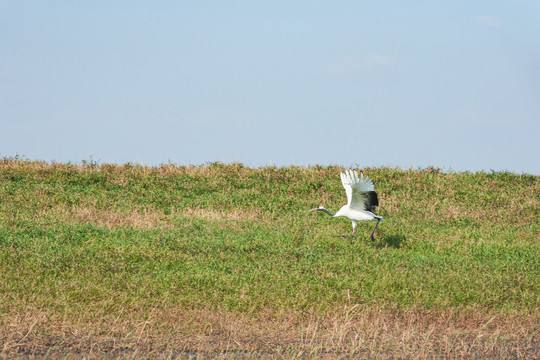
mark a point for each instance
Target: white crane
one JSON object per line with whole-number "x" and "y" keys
{"x": 361, "y": 200}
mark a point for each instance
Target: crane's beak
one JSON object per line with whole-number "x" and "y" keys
{"x": 317, "y": 208}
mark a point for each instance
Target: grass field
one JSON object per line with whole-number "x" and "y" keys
{"x": 221, "y": 259}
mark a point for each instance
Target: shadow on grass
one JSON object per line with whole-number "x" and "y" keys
{"x": 395, "y": 241}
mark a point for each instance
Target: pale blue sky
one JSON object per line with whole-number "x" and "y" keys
{"x": 452, "y": 84}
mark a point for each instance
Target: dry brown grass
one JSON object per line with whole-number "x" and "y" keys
{"x": 142, "y": 218}
{"x": 352, "y": 331}
{"x": 110, "y": 218}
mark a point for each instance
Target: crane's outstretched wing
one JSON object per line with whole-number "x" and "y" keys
{"x": 361, "y": 193}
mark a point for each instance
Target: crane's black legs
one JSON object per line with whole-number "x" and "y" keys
{"x": 373, "y": 237}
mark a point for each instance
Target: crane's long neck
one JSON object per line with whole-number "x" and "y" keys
{"x": 325, "y": 211}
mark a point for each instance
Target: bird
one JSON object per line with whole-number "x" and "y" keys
{"x": 361, "y": 200}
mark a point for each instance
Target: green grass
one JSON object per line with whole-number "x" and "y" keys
{"x": 93, "y": 241}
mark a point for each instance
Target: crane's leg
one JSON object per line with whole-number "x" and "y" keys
{"x": 373, "y": 237}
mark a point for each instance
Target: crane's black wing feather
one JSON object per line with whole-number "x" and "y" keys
{"x": 373, "y": 201}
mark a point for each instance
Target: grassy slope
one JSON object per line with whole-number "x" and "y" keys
{"x": 164, "y": 255}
